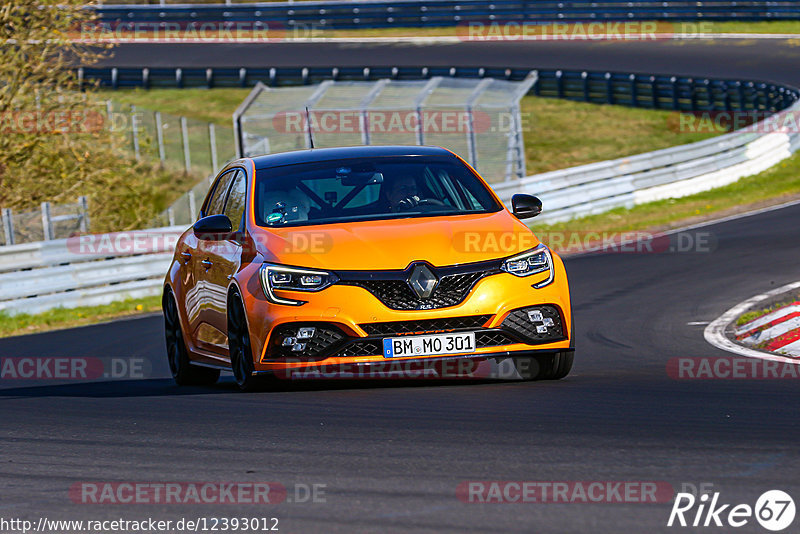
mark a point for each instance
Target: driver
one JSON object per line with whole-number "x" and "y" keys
{"x": 402, "y": 194}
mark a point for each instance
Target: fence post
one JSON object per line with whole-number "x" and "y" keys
{"x": 160, "y": 137}
{"x": 47, "y": 227}
{"x": 187, "y": 160}
{"x": 192, "y": 205}
{"x": 135, "y": 133}
{"x": 8, "y": 226}
{"x": 84, "y": 203}
{"x": 212, "y": 139}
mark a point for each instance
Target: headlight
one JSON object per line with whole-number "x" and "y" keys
{"x": 294, "y": 279}
{"x": 537, "y": 260}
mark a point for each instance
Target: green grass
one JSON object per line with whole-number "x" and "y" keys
{"x": 752, "y": 315}
{"x": 558, "y": 133}
{"x": 779, "y": 183}
{"x": 14, "y": 325}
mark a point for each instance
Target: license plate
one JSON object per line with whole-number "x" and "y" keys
{"x": 397, "y": 347}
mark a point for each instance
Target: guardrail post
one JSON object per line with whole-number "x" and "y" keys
{"x": 243, "y": 77}
{"x": 187, "y": 158}
{"x": 179, "y": 78}
{"x": 146, "y": 78}
{"x": 560, "y": 84}
{"x": 609, "y": 89}
{"x": 135, "y": 133}
{"x": 585, "y": 78}
{"x": 114, "y": 77}
{"x": 212, "y": 140}
{"x": 162, "y": 155}
{"x": 47, "y": 225}
{"x": 84, "y": 203}
{"x": 8, "y": 226}
{"x": 676, "y": 93}
{"x": 634, "y": 95}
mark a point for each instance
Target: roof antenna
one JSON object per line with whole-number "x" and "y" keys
{"x": 310, "y": 132}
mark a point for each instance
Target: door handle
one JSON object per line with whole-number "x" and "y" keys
{"x": 186, "y": 256}
{"x": 206, "y": 263}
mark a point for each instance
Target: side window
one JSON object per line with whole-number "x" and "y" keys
{"x": 217, "y": 200}
{"x": 234, "y": 207}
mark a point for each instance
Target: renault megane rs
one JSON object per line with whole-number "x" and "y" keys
{"x": 357, "y": 257}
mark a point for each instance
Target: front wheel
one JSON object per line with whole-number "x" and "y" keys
{"x": 239, "y": 347}
{"x": 184, "y": 373}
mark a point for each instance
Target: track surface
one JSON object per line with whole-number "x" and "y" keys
{"x": 766, "y": 60}
{"x": 392, "y": 455}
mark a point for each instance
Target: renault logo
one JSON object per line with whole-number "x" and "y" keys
{"x": 422, "y": 281}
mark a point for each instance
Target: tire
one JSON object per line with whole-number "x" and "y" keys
{"x": 184, "y": 373}
{"x": 241, "y": 352}
{"x": 553, "y": 367}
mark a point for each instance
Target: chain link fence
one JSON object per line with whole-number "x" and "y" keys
{"x": 51, "y": 221}
{"x": 179, "y": 143}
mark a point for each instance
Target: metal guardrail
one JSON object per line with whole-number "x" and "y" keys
{"x": 668, "y": 173}
{"x": 85, "y": 270}
{"x": 423, "y": 13}
{"x": 602, "y": 87}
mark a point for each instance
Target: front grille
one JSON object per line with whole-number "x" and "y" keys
{"x": 397, "y": 328}
{"x": 396, "y": 294}
{"x": 360, "y": 348}
{"x": 519, "y": 323}
{"x": 492, "y": 338}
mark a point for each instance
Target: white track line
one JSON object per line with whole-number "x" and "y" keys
{"x": 715, "y": 332}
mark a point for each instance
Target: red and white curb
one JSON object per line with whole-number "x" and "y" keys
{"x": 777, "y": 331}
{"x": 780, "y": 328}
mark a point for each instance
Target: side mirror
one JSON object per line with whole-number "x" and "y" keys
{"x": 525, "y": 206}
{"x": 213, "y": 227}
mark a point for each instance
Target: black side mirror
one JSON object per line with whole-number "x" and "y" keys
{"x": 213, "y": 227}
{"x": 525, "y": 206}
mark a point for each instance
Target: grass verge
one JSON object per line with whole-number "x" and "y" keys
{"x": 777, "y": 184}
{"x": 15, "y": 325}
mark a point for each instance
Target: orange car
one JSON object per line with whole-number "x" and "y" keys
{"x": 359, "y": 258}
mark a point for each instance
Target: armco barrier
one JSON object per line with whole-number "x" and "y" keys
{"x": 428, "y": 13}
{"x": 601, "y": 87}
{"x": 668, "y": 173}
{"x": 84, "y": 271}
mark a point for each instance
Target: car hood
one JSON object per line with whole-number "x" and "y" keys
{"x": 394, "y": 244}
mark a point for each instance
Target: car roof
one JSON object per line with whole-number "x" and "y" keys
{"x": 326, "y": 154}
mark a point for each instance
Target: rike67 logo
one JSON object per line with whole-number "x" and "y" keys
{"x": 774, "y": 510}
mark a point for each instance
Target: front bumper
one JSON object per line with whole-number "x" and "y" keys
{"x": 352, "y": 310}
{"x": 467, "y": 366}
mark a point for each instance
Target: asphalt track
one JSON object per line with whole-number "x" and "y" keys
{"x": 766, "y": 60}
{"x": 392, "y": 454}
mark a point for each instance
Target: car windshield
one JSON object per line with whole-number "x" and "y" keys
{"x": 368, "y": 189}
